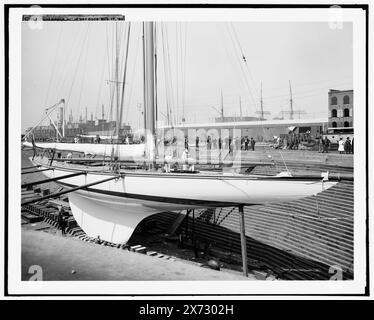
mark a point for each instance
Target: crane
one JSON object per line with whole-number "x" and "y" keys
{"x": 48, "y": 112}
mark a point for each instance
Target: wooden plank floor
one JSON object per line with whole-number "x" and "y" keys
{"x": 297, "y": 240}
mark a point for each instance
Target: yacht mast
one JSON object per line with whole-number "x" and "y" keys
{"x": 262, "y": 104}
{"x": 117, "y": 83}
{"x": 124, "y": 74}
{"x": 149, "y": 81}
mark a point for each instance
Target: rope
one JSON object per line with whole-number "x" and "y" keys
{"x": 53, "y": 65}
{"x": 101, "y": 83}
{"x": 111, "y": 90}
{"x": 168, "y": 82}
{"x": 246, "y": 80}
{"x": 132, "y": 78}
{"x": 241, "y": 66}
{"x": 172, "y": 107}
{"x": 124, "y": 74}
{"x": 177, "y": 71}
{"x": 244, "y": 58}
{"x": 83, "y": 75}
{"x": 184, "y": 72}
{"x": 65, "y": 66}
{"x": 76, "y": 69}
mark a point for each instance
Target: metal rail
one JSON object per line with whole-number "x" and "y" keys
{"x": 32, "y": 167}
{"x": 162, "y": 161}
{"x": 68, "y": 191}
{"x": 52, "y": 179}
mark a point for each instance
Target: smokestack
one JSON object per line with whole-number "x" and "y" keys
{"x": 61, "y": 115}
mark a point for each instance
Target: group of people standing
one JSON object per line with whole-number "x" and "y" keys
{"x": 345, "y": 146}
{"x": 243, "y": 144}
{"x": 248, "y": 142}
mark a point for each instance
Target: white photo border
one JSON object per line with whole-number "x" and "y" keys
{"x": 205, "y": 289}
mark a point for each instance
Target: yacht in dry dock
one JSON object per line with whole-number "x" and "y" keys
{"x": 111, "y": 201}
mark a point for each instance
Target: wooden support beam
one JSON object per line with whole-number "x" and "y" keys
{"x": 68, "y": 191}
{"x": 37, "y": 171}
{"x": 243, "y": 240}
{"x": 187, "y": 224}
{"x": 52, "y": 179}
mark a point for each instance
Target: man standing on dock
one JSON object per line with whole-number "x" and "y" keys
{"x": 347, "y": 146}
{"x": 352, "y": 145}
{"x": 326, "y": 145}
{"x": 320, "y": 144}
{"x": 61, "y": 220}
{"x": 253, "y": 142}
{"x": 246, "y": 142}
{"x": 341, "y": 146}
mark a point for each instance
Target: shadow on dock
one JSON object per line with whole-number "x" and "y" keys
{"x": 308, "y": 239}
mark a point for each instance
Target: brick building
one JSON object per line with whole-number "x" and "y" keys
{"x": 340, "y": 108}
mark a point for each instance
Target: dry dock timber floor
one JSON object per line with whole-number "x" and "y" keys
{"x": 58, "y": 256}
{"x": 297, "y": 240}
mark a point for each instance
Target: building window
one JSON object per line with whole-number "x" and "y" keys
{"x": 346, "y": 124}
{"x": 334, "y": 101}
{"x": 346, "y": 100}
{"x": 334, "y": 124}
{"x": 334, "y": 113}
{"x": 346, "y": 112}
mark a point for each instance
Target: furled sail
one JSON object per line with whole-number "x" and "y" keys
{"x": 123, "y": 151}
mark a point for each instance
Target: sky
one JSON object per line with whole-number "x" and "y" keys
{"x": 196, "y": 62}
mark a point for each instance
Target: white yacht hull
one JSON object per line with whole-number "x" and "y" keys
{"x": 113, "y": 209}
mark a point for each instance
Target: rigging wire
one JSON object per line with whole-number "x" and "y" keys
{"x": 76, "y": 69}
{"x": 83, "y": 75}
{"x": 155, "y": 35}
{"x": 132, "y": 77}
{"x": 184, "y": 71}
{"x": 116, "y": 80}
{"x": 125, "y": 73}
{"x": 165, "y": 74}
{"x": 168, "y": 63}
{"x": 101, "y": 82}
{"x": 231, "y": 59}
{"x": 54, "y": 64}
{"x": 238, "y": 45}
{"x": 239, "y": 60}
{"x": 66, "y": 65}
{"x": 244, "y": 57}
{"x": 110, "y": 69}
{"x": 181, "y": 68}
{"x": 177, "y": 72}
